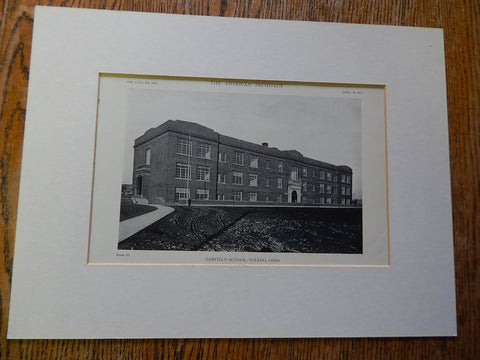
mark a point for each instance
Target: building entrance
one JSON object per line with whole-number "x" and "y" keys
{"x": 139, "y": 185}
{"x": 294, "y": 196}
{"x": 294, "y": 191}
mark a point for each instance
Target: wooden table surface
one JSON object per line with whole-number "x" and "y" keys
{"x": 460, "y": 21}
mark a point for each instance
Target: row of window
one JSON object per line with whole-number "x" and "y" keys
{"x": 183, "y": 171}
{"x": 204, "y": 151}
{"x": 204, "y": 194}
{"x": 184, "y": 147}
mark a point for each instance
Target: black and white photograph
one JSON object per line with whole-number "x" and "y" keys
{"x": 229, "y": 170}
{"x": 232, "y": 171}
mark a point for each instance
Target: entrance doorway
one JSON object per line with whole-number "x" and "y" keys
{"x": 294, "y": 196}
{"x": 139, "y": 185}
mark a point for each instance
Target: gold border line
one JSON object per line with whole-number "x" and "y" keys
{"x": 93, "y": 170}
{"x": 386, "y": 175}
{"x": 250, "y": 81}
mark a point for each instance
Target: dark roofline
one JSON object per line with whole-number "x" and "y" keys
{"x": 206, "y": 133}
{"x": 176, "y": 125}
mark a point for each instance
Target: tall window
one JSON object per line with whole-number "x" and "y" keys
{"x": 334, "y": 189}
{"x": 329, "y": 189}
{"x": 304, "y": 186}
{"x": 237, "y": 178}
{"x": 267, "y": 182}
{"x": 204, "y": 151}
{"x": 294, "y": 173}
{"x": 329, "y": 175}
{"x": 222, "y": 178}
{"x": 237, "y": 196}
{"x": 220, "y": 196}
{"x": 343, "y": 178}
{"x": 238, "y": 158}
{"x": 268, "y": 164}
{"x": 148, "y": 153}
{"x": 202, "y": 194}
{"x": 322, "y": 174}
{"x": 322, "y": 200}
{"x": 343, "y": 190}
{"x": 348, "y": 191}
{"x": 322, "y": 188}
{"x": 304, "y": 171}
{"x": 181, "y": 194}
{"x": 252, "y": 180}
{"x": 222, "y": 156}
{"x": 329, "y": 200}
{"x": 182, "y": 171}
{"x": 184, "y": 146}
{"x": 253, "y": 161}
{"x": 313, "y": 187}
{"x": 203, "y": 173}
{"x": 280, "y": 166}
{"x": 279, "y": 198}
{"x": 279, "y": 183}
{"x": 348, "y": 179}
{"x": 252, "y": 197}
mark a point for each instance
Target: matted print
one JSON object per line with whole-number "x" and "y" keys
{"x": 228, "y": 171}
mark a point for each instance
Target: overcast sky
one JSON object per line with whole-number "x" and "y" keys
{"x": 326, "y": 129}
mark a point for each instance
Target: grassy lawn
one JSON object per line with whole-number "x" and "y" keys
{"x": 129, "y": 210}
{"x": 287, "y": 229}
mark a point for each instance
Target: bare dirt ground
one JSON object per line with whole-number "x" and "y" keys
{"x": 248, "y": 229}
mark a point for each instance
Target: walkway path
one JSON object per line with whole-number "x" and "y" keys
{"x": 134, "y": 225}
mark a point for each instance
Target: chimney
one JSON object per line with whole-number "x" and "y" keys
{"x": 265, "y": 144}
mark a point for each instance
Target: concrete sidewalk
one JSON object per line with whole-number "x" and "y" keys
{"x": 132, "y": 226}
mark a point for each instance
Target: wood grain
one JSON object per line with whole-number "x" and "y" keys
{"x": 460, "y": 21}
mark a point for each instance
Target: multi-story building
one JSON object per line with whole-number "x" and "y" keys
{"x": 181, "y": 160}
